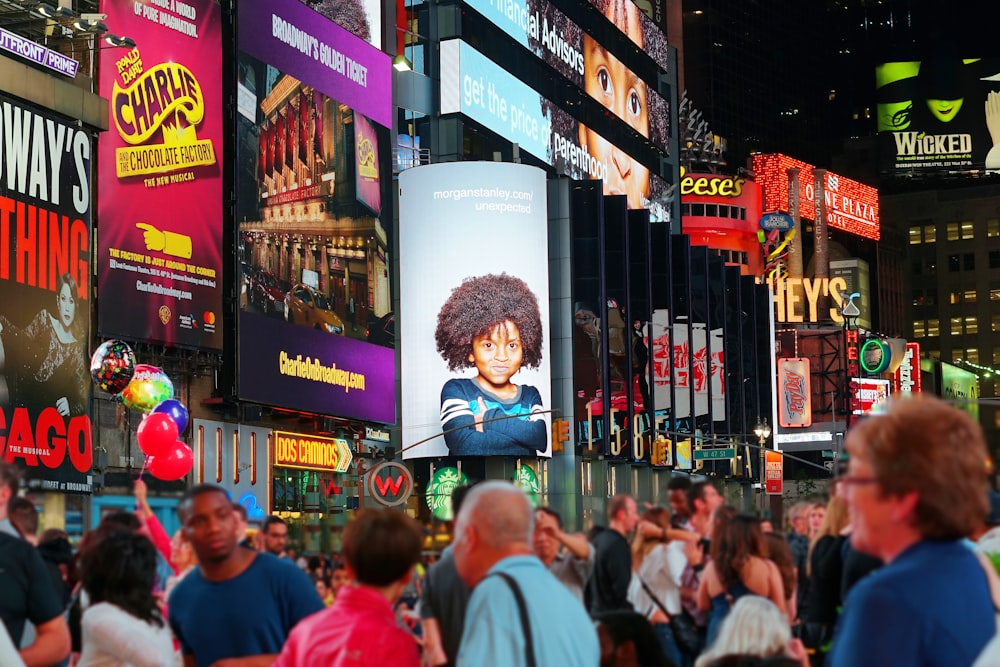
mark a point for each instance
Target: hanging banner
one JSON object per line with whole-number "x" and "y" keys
{"x": 773, "y": 473}
{"x": 160, "y": 241}
{"x": 45, "y": 218}
{"x": 687, "y": 344}
{"x": 794, "y": 403}
{"x": 906, "y": 379}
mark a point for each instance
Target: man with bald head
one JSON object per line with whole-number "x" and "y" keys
{"x": 518, "y": 608}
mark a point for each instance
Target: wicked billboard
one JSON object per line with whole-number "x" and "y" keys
{"x": 939, "y": 115}
{"x": 160, "y": 242}
{"x": 45, "y": 219}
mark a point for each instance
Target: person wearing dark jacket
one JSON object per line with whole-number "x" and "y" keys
{"x": 607, "y": 589}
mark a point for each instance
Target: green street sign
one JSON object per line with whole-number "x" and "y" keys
{"x": 712, "y": 454}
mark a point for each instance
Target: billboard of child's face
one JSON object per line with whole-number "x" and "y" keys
{"x": 607, "y": 80}
{"x": 497, "y": 356}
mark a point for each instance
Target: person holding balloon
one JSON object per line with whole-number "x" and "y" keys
{"x": 49, "y": 361}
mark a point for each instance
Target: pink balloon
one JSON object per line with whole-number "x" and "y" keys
{"x": 173, "y": 465}
{"x": 156, "y": 434}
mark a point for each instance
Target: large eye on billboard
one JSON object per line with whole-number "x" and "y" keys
{"x": 160, "y": 240}
{"x": 315, "y": 308}
{"x": 45, "y": 215}
{"x": 474, "y": 85}
{"x": 562, "y": 44}
{"x": 474, "y": 287}
{"x": 939, "y": 114}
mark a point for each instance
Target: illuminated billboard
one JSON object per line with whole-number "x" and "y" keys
{"x": 475, "y": 363}
{"x": 160, "y": 176}
{"x": 960, "y": 387}
{"x": 314, "y": 257}
{"x": 637, "y": 26}
{"x": 553, "y": 37}
{"x": 45, "y": 232}
{"x": 474, "y": 85}
{"x": 936, "y": 114}
{"x": 850, "y": 205}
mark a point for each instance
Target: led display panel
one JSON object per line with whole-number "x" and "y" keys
{"x": 45, "y": 232}
{"x": 160, "y": 176}
{"x": 314, "y": 257}
{"x": 474, "y": 85}
{"x": 475, "y": 316}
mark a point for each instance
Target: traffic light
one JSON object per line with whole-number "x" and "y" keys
{"x": 658, "y": 456}
{"x": 560, "y": 434}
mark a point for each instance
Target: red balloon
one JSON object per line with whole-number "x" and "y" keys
{"x": 173, "y": 465}
{"x": 156, "y": 434}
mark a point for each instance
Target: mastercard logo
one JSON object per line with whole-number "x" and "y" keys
{"x": 208, "y": 317}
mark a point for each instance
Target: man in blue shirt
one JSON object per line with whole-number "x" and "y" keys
{"x": 493, "y": 556}
{"x": 239, "y": 606}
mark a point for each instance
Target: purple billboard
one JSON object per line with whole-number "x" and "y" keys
{"x": 298, "y": 41}
{"x": 305, "y": 372}
{"x": 315, "y": 304}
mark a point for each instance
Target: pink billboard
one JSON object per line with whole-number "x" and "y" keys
{"x": 160, "y": 175}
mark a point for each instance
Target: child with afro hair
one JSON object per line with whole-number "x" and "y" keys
{"x": 491, "y": 323}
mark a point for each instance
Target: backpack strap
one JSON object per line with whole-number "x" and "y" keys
{"x": 522, "y": 608}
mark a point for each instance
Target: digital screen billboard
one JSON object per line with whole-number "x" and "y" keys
{"x": 314, "y": 257}
{"x": 553, "y": 37}
{"x": 850, "y": 205}
{"x": 935, "y": 115}
{"x": 475, "y": 362}
{"x": 632, "y": 22}
{"x": 160, "y": 176}
{"x": 45, "y": 232}
{"x": 474, "y": 85}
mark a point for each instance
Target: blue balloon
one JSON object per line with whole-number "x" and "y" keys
{"x": 176, "y": 410}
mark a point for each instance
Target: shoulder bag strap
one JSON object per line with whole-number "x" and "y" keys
{"x": 522, "y": 608}
{"x": 653, "y": 597}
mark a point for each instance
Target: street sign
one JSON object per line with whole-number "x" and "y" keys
{"x": 712, "y": 454}
{"x": 778, "y": 221}
{"x": 773, "y": 472}
{"x": 390, "y": 483}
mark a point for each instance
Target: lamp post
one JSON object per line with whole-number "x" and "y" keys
{"x": 763, "y": 432}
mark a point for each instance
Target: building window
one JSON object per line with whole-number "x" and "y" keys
{"x": 919, "y": 331}
{"x": 956, "y": 355}
{"x": 996, "y": 356}
{"x": 952, "y": 231}
{"x": 995, "y": 259}
{"x": 969, "y": 261}
{"x": 971, "y": 324}
{"x": 930, "y": 233}
{"x": 994, "y": 294}
{"x": 954, "y": 297}
{"x": 995, "y": 323}
{"x": 698, "y": 209}
{"x": 992, "y": 227}
{"x": 954, "y": 263}
{"x": 930, "y": 296}
{"x": 933, "y": 328}
{"x": 956, "y": 326}
{"x": 969, "y": 296}
{"x": 972, "y": 355}
{"x": 712, "y": 210}
{"x": 968, "y": 230}
{"x": 915, "y": 235}
{"x": 931, "y": 268}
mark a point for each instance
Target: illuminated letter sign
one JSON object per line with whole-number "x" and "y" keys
{"x": 711, "y": 185}
{"x": 390, "y": 483}
{"x": 797, "y": 299}
{"x": 907, "y": 376}
{"x": 311, "y": 452}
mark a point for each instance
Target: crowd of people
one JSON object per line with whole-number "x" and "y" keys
{"x": 886, "y": 571}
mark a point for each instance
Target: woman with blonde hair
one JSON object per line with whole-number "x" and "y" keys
{"x": 755, "y": 628}
{"x": 659, "y": 555}
{"x": 916, "y": 487}
{"x": 825, "y": 569}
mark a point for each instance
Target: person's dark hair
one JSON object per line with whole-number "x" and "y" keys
{"x": 679, "y": 483}
{"x": 552, "y": 513}
{"x": 734, "y": 544}
{"x": 69, "y": 281}
{"x": 50, "y": 534}
{"x": 23, "y": 515}
{"x": 696, "y": 492}
{"x": 195, "y": 491}
{"x": 381, "y": 546}
{"x": 458, "y": 495}
{"x": 271, "y": 521}
{"x": 122, "y": 519}
{"x": 479, "y": 305}
{"x": 753, "y": 661}
{"x": 121, "y": 569}
{"x": 629, "y": 626}
{"x": 617, "y": 503}
{"x": 9, "y": 477}
{"x": 780, "y": 553}
{"x": 241, "y": 510}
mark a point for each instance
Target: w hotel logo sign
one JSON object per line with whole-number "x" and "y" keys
{"x": 390, "y": 483}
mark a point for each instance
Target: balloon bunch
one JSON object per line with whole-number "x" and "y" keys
{"x": 147, "y": 389}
